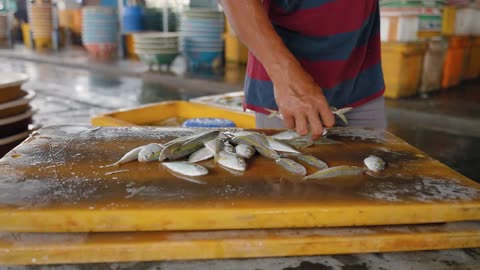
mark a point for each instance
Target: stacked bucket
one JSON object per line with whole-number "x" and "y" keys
{"x": 100, "y": 31}
{"x": 202, "y": 36}
{"x": 132, "y": 19}
{"x": 68, "y": 19}
{"x": 41, "y": 23}
{"x": 132, "y": 22}
{"x": 15, "y": 111}
{"x": 156, "y": 48}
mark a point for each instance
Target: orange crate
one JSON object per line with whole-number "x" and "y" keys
{"x": 473, "y": 60}
{"x": 454, "y": 61}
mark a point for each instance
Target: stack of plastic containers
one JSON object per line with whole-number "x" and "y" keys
{"x": 100, "y": 31}
{"x": 202, "y": 36}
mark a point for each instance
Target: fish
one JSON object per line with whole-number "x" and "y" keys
{"x": 374, "y": 163}
{"x": 231, "y": 161}
{"x": 202, "y": 137}
{"x": 169, "y": 149}
{"x": 184, "y": 151}
{"x": 250, "y": 138}
{"x": 180, "y": 144}
{"x": 215, "y": 146}
{"x": 225, "y": 136}
{"x": 128, "y": 157}
{"x": 229, "y": 148}
{"x": 292, "y": 166}
{"x": 281, "y": 146}
{"x": 186, "y": 168}
{"x": 335, "y": 172}
{"x": 257, "y": 140}
{"x": 245, "y": 151}
{"x": 341, "y": 113}
{"x": 286, "y": 135}
{"x": 303, "y": 142}
{"x": 191, "y": 179}
{"x": 150, "y": 152}
{"x": 313, "y": 161}
{"x": 267, "y": 152}
{"x": 200, "y": 155}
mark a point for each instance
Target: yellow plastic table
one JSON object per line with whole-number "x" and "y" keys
{"x": 55, "y": 182}
{"x": 67, "y": 248}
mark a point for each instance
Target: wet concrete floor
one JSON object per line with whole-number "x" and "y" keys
{"x": 444, "y": 125}
{"x": 427, "y": 260}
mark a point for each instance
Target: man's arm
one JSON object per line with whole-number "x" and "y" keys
{"x": 299, "y": 98}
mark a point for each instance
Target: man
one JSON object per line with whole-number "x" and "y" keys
{"x": 308, "y": 55}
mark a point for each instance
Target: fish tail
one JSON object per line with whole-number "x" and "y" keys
{"x": 272, "y": 114}
{"x": 345, "y": 110}
{"x": 343, "y": 117}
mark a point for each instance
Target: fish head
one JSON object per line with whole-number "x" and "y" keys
{"x": 239, "y": 164}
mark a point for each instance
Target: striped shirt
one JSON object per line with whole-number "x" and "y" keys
{"x": 336, "y": 41}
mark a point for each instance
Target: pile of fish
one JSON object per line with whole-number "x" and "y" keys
{"x": 231, "y": 150}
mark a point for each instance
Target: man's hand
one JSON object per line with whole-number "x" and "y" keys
{"x": 298, "y": 97}
{"x": 302, "y": 103}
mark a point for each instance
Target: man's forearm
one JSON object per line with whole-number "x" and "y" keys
{"x": 250, "y": 22}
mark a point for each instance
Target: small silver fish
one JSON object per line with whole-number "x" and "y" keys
{"x": 267, "y": 152}
{"x": 202, "y": 137}
{"x": 150, "y": 152}
{"x": 130, "y": 156}
{"x": 336, "y": 172}
{"x": 250, "y": 138}
{"x": 184, "y": 151}
{"x": 184, "y": 145}
{"x": 257, "y": 140}
{"x": 303, "y": 142}
{"x": 225, "y": 136}
{"x": 286, "y": 135}
{"x": 191, "y": 179}
{"x": 292, "y": 166}
{"x": 341, "y": 113}
{"x": 215, "y": 146}
{"x": 245, "y": 151}
{"x": 186, "y": 168}
{"x": 281, "y": 146}
{"x": 374, "y": 163}
{"x": 232, "y": 161}
{"x": 200, "y": 155}
{"x": 313, "y": 161}
{"x": 229, "y": 148}
{"x": 169, "y": 149}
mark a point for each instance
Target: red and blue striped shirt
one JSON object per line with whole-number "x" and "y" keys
{"x": 336, "y": 41}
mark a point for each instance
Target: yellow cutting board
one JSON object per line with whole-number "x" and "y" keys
{"x": 61, "y": 248}
{"x": 55, "y": 182}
